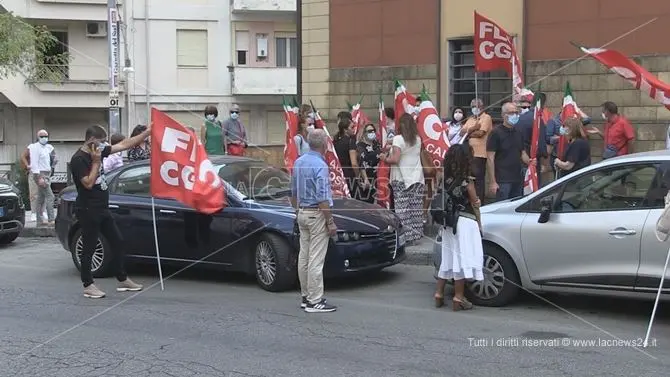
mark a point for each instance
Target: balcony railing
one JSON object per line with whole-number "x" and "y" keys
{"x": 265, "y": 80}
{"x": 60, "y": 73}
{"x": 264, "y": 5}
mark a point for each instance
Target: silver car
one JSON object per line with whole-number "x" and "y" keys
{"x": 591, "y": 232}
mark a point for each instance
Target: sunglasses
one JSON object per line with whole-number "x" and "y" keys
{"x": 370, "y": 130}
{"x": 234, "y": 112}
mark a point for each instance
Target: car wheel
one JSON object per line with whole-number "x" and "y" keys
{"x": 275, "y": 263}
{"x": 501, "y": 280}
{"x": 101, "y": 262}
{"x": 8, "y": 238}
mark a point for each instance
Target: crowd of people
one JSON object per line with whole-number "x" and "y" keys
{"x": 479, "y": 150}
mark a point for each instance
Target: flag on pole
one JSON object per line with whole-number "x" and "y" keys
{"x": 290, "y": 149}
{"x": 570, "y": 110}
{"x": 358, "y": 116}
{"x": 632, "y": 72}
{"x": 338, "y": 183}
{"x": 404, "y": 103}
{"x": 434, "y": 134}
{"x": 181, "y": 168}
{"x": 383, "y": 182}
{"x": 531, "y": 181}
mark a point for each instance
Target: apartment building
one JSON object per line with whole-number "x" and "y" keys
{"x": 63, "y": 98}
{"x": 184, "y": 56}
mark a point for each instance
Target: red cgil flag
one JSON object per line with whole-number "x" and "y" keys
{"x": 570, "y": 110}
{"x": 290, "y": 149}
{"x": 337, "y": 182}
{"x": 180, "y": 167}
{"x": 434, "y": 134}
{"x": 404, "y": 103}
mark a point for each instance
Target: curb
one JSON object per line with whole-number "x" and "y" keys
{"x": 34, "y": 232}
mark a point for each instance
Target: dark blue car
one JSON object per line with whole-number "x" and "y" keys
{"x": 253, "y": 234}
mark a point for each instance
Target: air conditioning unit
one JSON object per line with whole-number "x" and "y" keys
{"x": 96, "y": 29}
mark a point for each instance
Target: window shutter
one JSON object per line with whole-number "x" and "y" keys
{"x": 192, "y": 48}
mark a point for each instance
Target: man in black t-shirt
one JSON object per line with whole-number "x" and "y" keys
{"x": 91, "y": 206}
{"x": 506, "y": 156}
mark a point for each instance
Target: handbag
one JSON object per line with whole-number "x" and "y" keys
{"x": 610, "y": 151}
{"x": 429, "y": 169}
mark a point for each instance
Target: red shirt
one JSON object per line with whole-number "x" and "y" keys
{"x": 619, "y": 132}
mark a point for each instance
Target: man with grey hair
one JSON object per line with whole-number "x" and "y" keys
{"x": 476, "y": 130}
{"x": 234, "y": 132}
{"x": 506, "y": 156}
{"x": 312, "y": 199}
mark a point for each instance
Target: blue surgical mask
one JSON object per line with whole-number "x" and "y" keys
{"x": 563, "y": 131}
{"x": 371, "y": 136}
{"x": 44, "y": 140}
{"x": 513, "y": 119}
{"x": 234, "y": 115}
{"x": 475, "y": 111}
{"x": 210, "y": 117}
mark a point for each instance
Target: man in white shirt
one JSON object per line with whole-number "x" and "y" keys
{"x": 42, "y": 158}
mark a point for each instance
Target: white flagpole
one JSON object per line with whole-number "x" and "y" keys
{"x": 658, "y": 296}
{"x": 158, "y": 254}
{"x": 476, "y": 91}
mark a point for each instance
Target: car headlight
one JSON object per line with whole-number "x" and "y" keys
{"x": 348, "y": 236}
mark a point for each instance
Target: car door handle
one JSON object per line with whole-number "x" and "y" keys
{"x": 168, "y": 211}
{"x": 623, "y": 232}
{"x": 113, "y": 206}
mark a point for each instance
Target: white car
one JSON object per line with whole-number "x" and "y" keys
{"x": 591, "y": 232}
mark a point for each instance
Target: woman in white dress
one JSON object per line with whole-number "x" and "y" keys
{"x": 462, "y": 251}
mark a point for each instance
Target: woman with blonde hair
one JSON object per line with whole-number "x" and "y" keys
{"x": 407, "y": 178}
{"x": 578, "y": 152}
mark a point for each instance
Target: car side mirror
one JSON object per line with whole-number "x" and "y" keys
{"x": 545, "y": 212}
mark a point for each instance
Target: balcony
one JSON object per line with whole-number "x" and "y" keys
{"x": 242, "y": 6}
{"x": 70, "y": 78}
{"x": 265, "y": 81}
{"x": 84, "y": 10}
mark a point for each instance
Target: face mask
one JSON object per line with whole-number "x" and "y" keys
{"x": 210, "y": 117}
{"x": 604, "y": 116}
{"x": 563, "y": 131}
{"x": 371, "y": 136}
{"x": 475, "y": 111}
{"x": 310, "y": 128}
{"x": 523, "y": 111}
{"x": 458, "y": 117}
{"x": 234, "y": 115}
{"x": 44, "y": 140}
{"x": 513, "y": 119}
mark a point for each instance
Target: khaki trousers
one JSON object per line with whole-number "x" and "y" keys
{"x": 313, "y": 248}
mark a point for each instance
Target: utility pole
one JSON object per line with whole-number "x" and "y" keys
{"x": 113, "y": 41}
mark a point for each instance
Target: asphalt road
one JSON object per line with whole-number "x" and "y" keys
{"x": 206, "y": 325}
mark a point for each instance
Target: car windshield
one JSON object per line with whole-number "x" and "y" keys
{"x": 256, "y": 179}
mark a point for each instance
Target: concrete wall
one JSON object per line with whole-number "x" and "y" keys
{"x": 343, "y": 61}
{"x": 592, "y": 85}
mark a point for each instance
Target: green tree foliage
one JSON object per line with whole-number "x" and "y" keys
{"x": 25, "y": 48}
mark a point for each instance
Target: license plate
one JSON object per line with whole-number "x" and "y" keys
{"x": 2, "y": 211}
{"x": 401, "y": 240}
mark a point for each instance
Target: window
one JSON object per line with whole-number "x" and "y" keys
{"x": 286, "y": 49}
{"x": 192, "y": 48}
{"x": 242, "y": 47}
{"x": 54, "y": 65}
{"x": 134, "y": 181}
{"x": 494, "y": 88}
{"x": 623, "y": 187}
